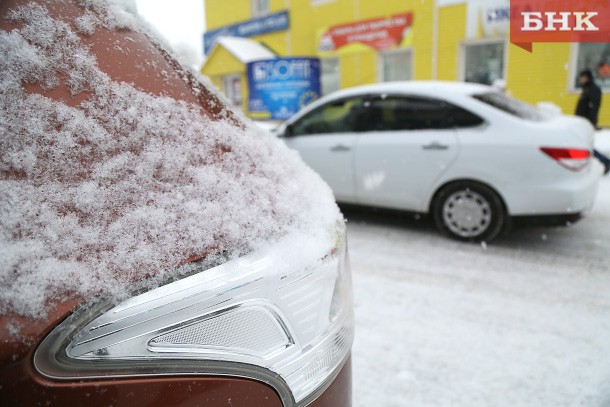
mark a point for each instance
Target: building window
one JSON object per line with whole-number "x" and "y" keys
{"x": 321, "y": 2}
{"x": 395, "y": 65}
{"x": 331, "y": 75}
{"x": 596, "y": 57}
{"x": 231, "y": 87}
{"x": 260, "y": 8}
{"x": 483, "y": 62}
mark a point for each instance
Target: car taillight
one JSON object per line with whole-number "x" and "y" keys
{"x": 282, "y": 315}
{"x": 574, "y": 159}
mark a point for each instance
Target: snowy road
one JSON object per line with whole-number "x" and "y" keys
{"x": 522, "y": 322}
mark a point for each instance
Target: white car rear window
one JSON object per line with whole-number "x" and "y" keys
{"x": 510, "y": 105}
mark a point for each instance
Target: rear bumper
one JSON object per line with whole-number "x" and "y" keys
{"x": 548, "y": 220}
{"x": 568, "y": 198}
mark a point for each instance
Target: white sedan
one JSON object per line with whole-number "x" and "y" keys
{"x": 468, "y": 155}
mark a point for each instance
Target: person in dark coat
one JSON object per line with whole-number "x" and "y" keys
{"x": 588, "y": 107}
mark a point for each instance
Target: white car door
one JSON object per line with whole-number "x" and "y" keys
{"x": 408, "y": 145}
{"x": 326, "y": 138}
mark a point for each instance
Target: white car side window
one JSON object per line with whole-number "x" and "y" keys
{"x": 395, "y": 113}
{"x": 334, "y": 117}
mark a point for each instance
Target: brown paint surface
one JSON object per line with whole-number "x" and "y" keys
{"x": 21, "y": 386}
{"x": 339, "y": 394}
{"x": 126, "y": 56}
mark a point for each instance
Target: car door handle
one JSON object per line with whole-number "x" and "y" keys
{"x": 340, "y": 148}
{"x": 435, "y": 146}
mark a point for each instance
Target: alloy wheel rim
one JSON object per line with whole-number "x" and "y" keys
{"x": 467, "y": 213}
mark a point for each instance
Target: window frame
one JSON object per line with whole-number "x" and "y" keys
{"x": 228, "y": 89}
{"x": 258, "y": 11}
{"x": 573, "y": 71}
{"x": 322, "y": 61}
{"x": 485, "y": 41}
{"x": 381, "y": 61}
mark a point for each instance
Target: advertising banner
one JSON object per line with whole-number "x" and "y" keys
{"x": 377, "y": 33}
{"x": 559, "y": 21}
{"x": 487, "y": 19}
{"x": 262, "y": 25}
{"x": 280, "y": 87}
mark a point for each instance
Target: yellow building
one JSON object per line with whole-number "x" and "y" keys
{"x": 367, "y": 41}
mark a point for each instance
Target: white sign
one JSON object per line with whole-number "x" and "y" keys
{"x": 487, "y": 18}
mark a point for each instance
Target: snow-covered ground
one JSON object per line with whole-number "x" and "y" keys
{"x": 524, "y": 321}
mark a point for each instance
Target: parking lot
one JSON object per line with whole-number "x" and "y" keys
{"x": 523, "y": 321}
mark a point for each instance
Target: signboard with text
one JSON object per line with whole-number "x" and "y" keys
{"x": 280, "y": 87}
{"x": 256, "y": 26}
{"x": 487, "y": 19}
{"x": 378, "y": 33}
{"x": 559, "y": 21}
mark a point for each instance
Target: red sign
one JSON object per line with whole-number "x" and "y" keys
{"x": 378, "y": 33}
{"x": 559, "y": 21}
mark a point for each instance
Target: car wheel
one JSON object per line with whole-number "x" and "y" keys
{"x": 469, "y": 211}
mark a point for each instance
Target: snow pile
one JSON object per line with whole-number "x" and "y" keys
{"x": 127, "y": 185}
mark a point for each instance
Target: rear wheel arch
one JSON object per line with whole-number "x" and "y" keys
{"x": 459, "y": 180}
{"x": 498, "y": 222}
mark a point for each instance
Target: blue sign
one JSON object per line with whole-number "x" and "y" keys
{"x": 282, "y": 86}
{"x": 256, "y": 26}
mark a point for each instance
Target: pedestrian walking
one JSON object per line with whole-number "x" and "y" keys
{"x": 588, "y": 107}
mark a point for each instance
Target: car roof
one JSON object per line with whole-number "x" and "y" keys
{"x": 428, "y": 88}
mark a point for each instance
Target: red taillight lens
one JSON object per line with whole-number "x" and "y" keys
{"x": 574, "y": 159}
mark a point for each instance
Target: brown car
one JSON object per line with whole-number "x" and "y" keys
{"x": 156, "y": 250}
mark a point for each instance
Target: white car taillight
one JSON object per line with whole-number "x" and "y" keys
{"x": 282, "y": 315}
{"x": 574, "y": 159}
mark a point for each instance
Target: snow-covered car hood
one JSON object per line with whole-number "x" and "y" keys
{"x": 114, "y": 173}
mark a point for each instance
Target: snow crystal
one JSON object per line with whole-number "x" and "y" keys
{"x": 87, "y": 23}
{"x": 127, "y": 185}
{"x": 115, "y": 14}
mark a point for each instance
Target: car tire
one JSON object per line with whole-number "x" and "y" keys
{"x": 469, "y": 211}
